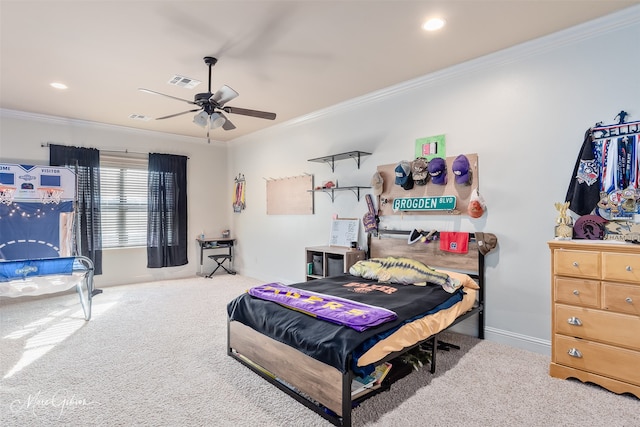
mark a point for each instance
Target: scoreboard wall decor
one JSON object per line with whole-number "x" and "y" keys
{"x": 29, "y": 183}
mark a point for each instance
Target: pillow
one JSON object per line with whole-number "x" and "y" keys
{"x": 405, "y": 271}
{"x": 465, "y": 280}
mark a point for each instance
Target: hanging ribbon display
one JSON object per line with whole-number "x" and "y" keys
{"x": 616, "y": 149}
{"x": 239, "y": 194}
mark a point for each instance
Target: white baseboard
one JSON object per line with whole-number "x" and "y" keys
{"x": 524, "y": 342}
{"x": 512, "y": 339}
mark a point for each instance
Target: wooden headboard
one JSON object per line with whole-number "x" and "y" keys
{"x": 394, "y": 243}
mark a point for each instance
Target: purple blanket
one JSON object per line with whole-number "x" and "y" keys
{"x": 355, "y": 315}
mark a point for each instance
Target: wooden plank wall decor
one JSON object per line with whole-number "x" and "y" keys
{"x": 290, "y": 196}
{"x": 391, "y": 191}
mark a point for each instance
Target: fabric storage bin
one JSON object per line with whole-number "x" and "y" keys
{"x": 335, "y": 265}
{"x": 318, "y": 269}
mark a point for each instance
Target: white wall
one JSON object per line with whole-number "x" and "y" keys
{"x": 523, "y": 110}
{"x": 21, "y": 139}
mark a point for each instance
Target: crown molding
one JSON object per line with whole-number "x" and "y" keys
{"x": 55, "y": 120}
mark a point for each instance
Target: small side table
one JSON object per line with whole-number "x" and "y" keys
{"x": 210, "y": 243}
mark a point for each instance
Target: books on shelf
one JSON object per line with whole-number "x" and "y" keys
{"x": 362, "y": 385}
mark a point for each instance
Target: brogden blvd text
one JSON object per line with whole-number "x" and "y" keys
{"x": 423, "y": 203}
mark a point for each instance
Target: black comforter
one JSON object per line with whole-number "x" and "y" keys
{"x": 331, "y": 343}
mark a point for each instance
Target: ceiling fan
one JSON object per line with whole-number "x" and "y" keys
{"x": 211, "y": 106}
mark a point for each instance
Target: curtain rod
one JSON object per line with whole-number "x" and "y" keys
{"x": 47, "y": 144}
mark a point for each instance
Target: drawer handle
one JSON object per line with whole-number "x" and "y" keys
{"x": 574, "y": 321}
{"x": 575, "y": 263}
{"x": 574, "y": 352}
{"x": 628, "y": 268}
{"x": 576, "y": 292}
{"x": 629, "y": 300}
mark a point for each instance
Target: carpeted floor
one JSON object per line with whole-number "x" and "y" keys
{"x": 154, "y": 354}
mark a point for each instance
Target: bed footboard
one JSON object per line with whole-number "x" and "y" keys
{"x": 287, "y": 367}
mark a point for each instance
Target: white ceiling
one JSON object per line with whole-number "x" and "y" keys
{"x": 288, "y": 57}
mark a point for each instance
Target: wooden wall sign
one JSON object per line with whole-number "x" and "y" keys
{"x": 290, "y": 196}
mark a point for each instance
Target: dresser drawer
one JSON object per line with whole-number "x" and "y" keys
{"x": 621, "y": 267}
{"x": 621, "y": 298}
{"x": 582, "y": 292}
{"x": 577, "y": 263}
{"x": 613, "y": 362}
{"x": 598, "y": 325}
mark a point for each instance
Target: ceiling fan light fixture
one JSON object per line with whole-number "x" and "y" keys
{"x": 210, "y": 107}
{"x": 201, "y": 119}
{"x": 216, "y": 120}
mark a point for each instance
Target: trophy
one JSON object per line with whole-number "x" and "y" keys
{"x": 564, "y": 223}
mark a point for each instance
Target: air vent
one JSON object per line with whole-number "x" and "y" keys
{"x": 183, "y": 81}
{"x": 139, "y": 117}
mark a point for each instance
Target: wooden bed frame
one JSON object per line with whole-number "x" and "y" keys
{"x": 321, "y": 387}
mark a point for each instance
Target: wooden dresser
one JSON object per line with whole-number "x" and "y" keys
{"x": 596, "y": 313}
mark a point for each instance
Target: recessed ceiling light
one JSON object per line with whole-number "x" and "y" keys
{"x": 434, "y": 24}
{"x": 58, "y": 85}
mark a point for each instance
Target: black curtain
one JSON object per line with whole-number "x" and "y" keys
{"x": 86, "y": 163}
{"x": 167, "y": 211}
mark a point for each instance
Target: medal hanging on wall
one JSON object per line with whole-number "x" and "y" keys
{"x": 617, "y": 151}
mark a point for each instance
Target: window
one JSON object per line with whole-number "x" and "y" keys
{"x": 123, "y": 187}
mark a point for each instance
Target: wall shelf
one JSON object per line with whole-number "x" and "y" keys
{"x": 331, "y": 159}
{"x": 331, "y": 191}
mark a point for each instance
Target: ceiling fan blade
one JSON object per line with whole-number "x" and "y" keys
{"x": 223, "y": 95}
{"x": 251, "y": 113}
{"x": 164, "y": 94}
{"x": 227, "y": 123}
{"x": 178, "y": 114}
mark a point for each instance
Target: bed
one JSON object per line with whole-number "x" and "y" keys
{"x": 315, "y": 361}
{"x": 42, "y": 276}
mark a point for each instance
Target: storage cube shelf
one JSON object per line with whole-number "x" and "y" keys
{"x": 325, "y": 261}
